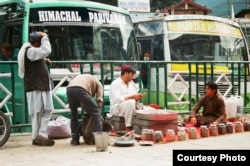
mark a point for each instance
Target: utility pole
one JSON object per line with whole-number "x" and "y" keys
{"x": 235, "y": 3}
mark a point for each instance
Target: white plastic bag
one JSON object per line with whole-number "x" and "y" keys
{"x": 59, "y": 128}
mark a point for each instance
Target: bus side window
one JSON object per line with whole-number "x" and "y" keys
{"x": 158, "y": 51}
{"x": 2, "y": 27}
{"x": 145, "y": 47}
{"x": 16, "y": 44}
{"x": 176, "y": 54}
{"x": 158, "y": 48}
{"x": 12, "y": 35}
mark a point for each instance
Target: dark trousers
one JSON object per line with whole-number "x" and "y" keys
{"x": 78, "y": 96}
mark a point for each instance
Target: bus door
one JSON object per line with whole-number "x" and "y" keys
{"x": 146, "y": 51}
{"x": 12, "y": 34}
{"x": 152, "y": 48}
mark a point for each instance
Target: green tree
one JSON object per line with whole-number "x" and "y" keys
{"x": 160, "y": 4}
{"x": 109, "y": 2}
{"x": 154, "y": 4}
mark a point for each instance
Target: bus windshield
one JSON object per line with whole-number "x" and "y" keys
{"x": 191, "y": 40}
{"x": 200, "y": 47}
{"x": 91, "y": 38}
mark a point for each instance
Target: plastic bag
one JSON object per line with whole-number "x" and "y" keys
{"x": 59, "y": 128}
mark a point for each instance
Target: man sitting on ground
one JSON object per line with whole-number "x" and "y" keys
{"x": 213, "y": 108}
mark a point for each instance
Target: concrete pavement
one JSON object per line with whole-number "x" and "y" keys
{"x": 18, "y": 151}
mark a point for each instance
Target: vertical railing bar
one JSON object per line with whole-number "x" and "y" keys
{"x": 166, "y": 84}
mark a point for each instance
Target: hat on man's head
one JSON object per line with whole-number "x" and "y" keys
{"x": 124, "y": 67}
{"x": 34, "y": 37}
{"x": 127, "y": 68}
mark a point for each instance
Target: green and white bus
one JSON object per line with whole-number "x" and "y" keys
{"x": 78, "y": 30}
{"x": 208, "y": 43}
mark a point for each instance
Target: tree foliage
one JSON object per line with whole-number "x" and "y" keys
{"x": 154, "y": 4}
{"x": 160, "y": 4}
{"x": 109, "y": 2}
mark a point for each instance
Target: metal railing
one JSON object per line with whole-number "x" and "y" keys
{"x": 171, "y": 89}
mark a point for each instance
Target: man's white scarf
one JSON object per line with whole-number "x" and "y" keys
{"x": 21, "y": 55}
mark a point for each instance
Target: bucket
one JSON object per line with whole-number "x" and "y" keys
{"x": 101, "y": 140}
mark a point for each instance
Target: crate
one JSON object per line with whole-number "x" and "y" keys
{"x": 163, "y": 125}
{"x": 118, "y": 123}
{"x": 155, "y": 115}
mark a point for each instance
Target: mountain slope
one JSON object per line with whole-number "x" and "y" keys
{"x": 222, "y": 8}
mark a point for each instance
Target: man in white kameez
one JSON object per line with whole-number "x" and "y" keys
{"x": 33, "y": 69}
{"x": 124, "y": 95}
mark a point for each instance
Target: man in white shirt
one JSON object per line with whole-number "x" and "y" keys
{"x": 124, "y": 95}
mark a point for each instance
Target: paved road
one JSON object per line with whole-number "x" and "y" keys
{"x": 18, "y": 151}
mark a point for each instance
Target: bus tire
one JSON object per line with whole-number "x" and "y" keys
{"x": 4, "y": 128}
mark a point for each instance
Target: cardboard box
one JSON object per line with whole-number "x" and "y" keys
{"x": 163, "y": 125}
{"x": 156, "y": 115}
{"x": 118, "y": 123}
